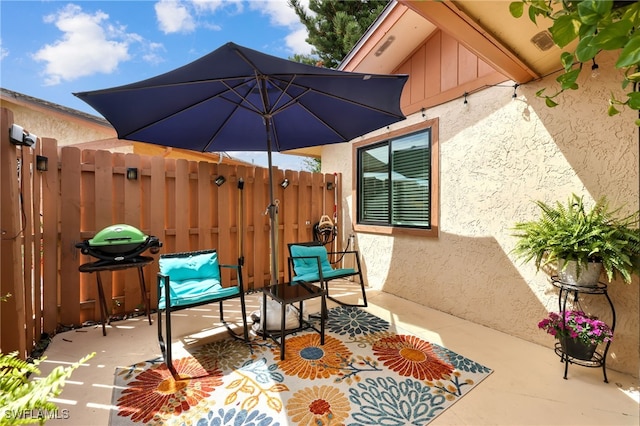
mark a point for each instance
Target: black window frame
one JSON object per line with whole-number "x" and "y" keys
{"x": 416, "y": 176}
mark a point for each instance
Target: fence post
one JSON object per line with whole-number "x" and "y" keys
{"x": 12, "y": 312}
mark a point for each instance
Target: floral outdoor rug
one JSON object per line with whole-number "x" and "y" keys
{"x": 366, "y": 373}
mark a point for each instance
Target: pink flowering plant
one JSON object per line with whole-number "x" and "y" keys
{"x": 578, "y": 326}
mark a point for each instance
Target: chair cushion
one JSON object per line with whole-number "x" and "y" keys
{"x": 309, "y": 264}
{"x": 334, "y": 273}
{"x": 194, "y": 266}
{"x": 190, "y": 292}
{"x": 193, "y": 279}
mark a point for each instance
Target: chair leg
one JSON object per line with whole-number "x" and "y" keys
{"x": 245, "y": 332}
{"x": 364, "y": 303}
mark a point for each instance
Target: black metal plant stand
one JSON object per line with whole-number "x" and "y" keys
{"x": 599, "y": 358}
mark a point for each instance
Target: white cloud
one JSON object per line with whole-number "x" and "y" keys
{"x": 151, "y": 53}
{"x": 213, "y": 6}
{"x": 296, "y": 41}
{"x": 89, "y": 44}
{"x": 3, "y": 51}
{"x": 282, "y": 15}
{"x": 174, "y": 17}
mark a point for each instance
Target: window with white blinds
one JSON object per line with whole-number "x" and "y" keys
{"x": 394, "y": 182}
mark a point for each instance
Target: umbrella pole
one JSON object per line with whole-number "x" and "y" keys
{"x": 273, "y": 209}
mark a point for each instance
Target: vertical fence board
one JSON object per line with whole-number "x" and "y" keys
{"x": 104, "y": 207}
{"x": 11, "y": 281}
{"x": 181, "y": 201}
{"x": 260, "y": 229}
{"x": 69, "y": 236}
{"x": 305, "y": 219}
{"x": 250, "y": 212}
{"x": 133, "y": 300}
{"x": 28, "y": 176}
{"x": 50, "y": 204}
{"x": 204, "y": 204}
{"x": 224, "y": 222}
{"x": 158, "y": 189}
{"x": 36, "y": 279}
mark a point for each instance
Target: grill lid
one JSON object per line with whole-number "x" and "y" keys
{"x": 118, "y": 234}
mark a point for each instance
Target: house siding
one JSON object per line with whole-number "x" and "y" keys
{"x": 498, "y": 155}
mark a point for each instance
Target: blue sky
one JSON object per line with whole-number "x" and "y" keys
{"x": 51, "y": 49}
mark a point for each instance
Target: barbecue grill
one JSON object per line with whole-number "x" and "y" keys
{"x": 118, "y": 243}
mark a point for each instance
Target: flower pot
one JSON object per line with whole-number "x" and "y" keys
{"x": 588, "y": 277}
{"x": 577, "y": 349}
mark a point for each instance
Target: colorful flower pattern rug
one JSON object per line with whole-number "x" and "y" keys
{"x": 366, "y": 373}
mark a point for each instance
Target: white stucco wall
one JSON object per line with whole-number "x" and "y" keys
{"x": 65, "y": 128}
{"x": 497, "y": 155}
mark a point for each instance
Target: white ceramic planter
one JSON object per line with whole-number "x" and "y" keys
{"x": 588, "y": 276}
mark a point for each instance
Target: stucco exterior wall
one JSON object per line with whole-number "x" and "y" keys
{"x": 65, "y": 128}
{"x": 497, "y": 155}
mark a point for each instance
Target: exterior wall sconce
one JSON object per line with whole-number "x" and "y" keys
{"x": 42, "y": 163}
{"x": 285, "y": 183}
{"x": 220, "y": 180}
{"x": 330, "y": 186}
{"x": 132, "y": 173}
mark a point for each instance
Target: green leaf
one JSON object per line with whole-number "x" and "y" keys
{"x": 613, "y": 36}
{"x": 533, "y": 12}
{"x": 568, "y": 79}
{"x": 634, "y": 100}
{"x": 634, "y": 77}
{"x": 564, "y": 30}
{"x": 612, "y": 111}
{"x": 630, "y": 54}
{"x": 566, "y": 59}
{"x": 585, "y": 51}
{"x": 516, "y": 8}
{"x": 591, "y": 11}
{"x": 550, "y": 102}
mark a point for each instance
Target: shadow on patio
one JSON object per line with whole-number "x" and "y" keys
{"x": 526, "y": 386}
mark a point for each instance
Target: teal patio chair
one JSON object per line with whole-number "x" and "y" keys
{"x": 191, "y": 279}
{"x": 309, "y": 262}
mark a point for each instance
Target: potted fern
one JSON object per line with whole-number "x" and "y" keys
{"x": 580, "y": 241}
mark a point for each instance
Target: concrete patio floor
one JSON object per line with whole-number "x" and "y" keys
{"x": 525, "y": 388}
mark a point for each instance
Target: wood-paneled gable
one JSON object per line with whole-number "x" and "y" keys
{"x": 441, "y": 69}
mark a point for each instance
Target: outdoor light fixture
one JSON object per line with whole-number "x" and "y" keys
{"x": 384, "y": 45}
{"x": 220, "y": 180}
{"x": 465, "y": 99}
{"x": 132, "y": 173}
{"x": 329, "y": 186}
{"x": 19, "y": 136}
{"x": 285, "y": 183}
{"x": 42, "y": 163}
{"x": 515, "y": 91}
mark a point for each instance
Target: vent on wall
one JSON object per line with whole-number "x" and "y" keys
{"x": 543, "y": 40}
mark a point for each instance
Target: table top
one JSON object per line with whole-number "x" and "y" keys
{"x": 108, "y": 265}
{"x": 293, "y": 292}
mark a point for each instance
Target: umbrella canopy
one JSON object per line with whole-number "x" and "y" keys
{"x": 239, "y": 99}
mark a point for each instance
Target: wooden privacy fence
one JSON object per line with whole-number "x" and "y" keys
{"x": 46, "y": 213}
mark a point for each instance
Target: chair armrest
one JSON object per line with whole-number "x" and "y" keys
{"x": 230, "y": 266}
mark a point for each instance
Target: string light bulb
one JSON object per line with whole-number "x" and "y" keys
{"x": 595, "y": 69}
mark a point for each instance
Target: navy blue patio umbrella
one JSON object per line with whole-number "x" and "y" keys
{"x": 239, "y": 99}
